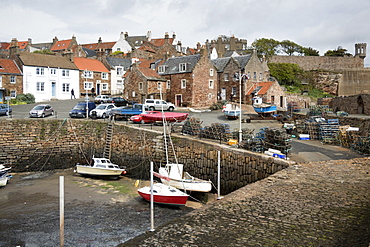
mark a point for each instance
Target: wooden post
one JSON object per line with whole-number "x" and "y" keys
{"x": 61, "y": 209}
{"x": 151, "y": 198}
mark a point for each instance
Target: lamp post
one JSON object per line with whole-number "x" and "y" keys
{"x": 240, "y": 77}
{"x": 86, "y": 96}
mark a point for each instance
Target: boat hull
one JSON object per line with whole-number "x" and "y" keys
{"x": 188, "y": 185}
{"x": 162, "y": 195}
{"x": 267, "y": 109}
{"x": 94, "y": 171}
{"x": 232, "y": 114}
{"x": 167, "y": 116}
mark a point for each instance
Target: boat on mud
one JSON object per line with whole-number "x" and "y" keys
{"x": 164, "y": 194}
{"x": 231, "y": 111}
{"x": 100, "y": 167}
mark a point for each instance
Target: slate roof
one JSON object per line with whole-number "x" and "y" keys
{"x": 220, "y": 63}
{"x": 89, "y": 52}
{"x": 136, "y": 41}
{"x": 8, "y": 67}
{"x": 90, "y": 64}
{"x": 172, "y": 64}
{"x": 114, "y": 61}
{"x": 260, "y": 88}
{"x": 42, "y": 60}
{"x": 61, "y": 45}
{"x": 243, "y": 60}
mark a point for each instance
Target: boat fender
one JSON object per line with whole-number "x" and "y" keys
{"x": 124, "y": 173}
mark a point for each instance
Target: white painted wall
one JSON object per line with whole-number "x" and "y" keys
{"x": 30, "y": 80}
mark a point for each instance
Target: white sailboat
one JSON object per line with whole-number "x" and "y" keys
{"x": 172, "y": 173}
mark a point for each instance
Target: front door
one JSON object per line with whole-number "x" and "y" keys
{"x": 53, "y": 89}
{"x": 223, "y": 93}
{"x": 178, "y": 99}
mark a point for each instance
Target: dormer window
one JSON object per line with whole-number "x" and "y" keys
{"x": 182, "y": 67}
{"x": 161, "y": 69}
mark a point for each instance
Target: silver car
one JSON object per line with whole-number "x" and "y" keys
{"x": 42, "y": 110}
{"x": 102, "y": 110}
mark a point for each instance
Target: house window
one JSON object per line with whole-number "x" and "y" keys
{"x": 40, "y": 86}
{"x": 39, "y": 71}
{"x": 88, "y": 74}
{"x": 104, "y": 76}
{"x": 65, "y": 87}
{"x": 183, "y": 83}
{"x": 249, "y": 75}
{"x": 104, "y": 86}
{"x": 211, "y": 84}
{"x": 65, "y": 72}
{"x": 13, "y": 94}
{"x": 118, "y": 49}
{"x": 133, "y": 94}
{"x": 1, "y": 81}
{"x": 88, "y": 85}
{"x": 159, "y": 86}
{"x": 260, "y": 76}
{"x": 211, "y": 72}
{"x": 168, "y": 84}
{"x": 140, "y": 86}
{"x": 233, "y": 90}
{"x": 12, "y": 79}
{"x": 226, "y": 76}
{"x": 119, "y": 84}
{"x": 119, "y": 71}
{"x": 254, "y": 75}
{"x": 182, "y": 67}
{"x": 53, "y": 71}
{"x": 161, "y": 69}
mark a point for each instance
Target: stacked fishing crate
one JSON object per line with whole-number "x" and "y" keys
{"x": 192, "y": 126}
{"x": 278, "y": 139}
{"x": 216, "y": 131}
{"x": 328, "y": 132}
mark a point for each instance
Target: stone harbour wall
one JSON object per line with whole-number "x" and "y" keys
{"x": 47, "y": 144}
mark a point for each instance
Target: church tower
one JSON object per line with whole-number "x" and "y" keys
{"x": 360, "y": 50}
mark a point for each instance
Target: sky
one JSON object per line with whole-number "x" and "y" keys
{"x": 320, "y": 24}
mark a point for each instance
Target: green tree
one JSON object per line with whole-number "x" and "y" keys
{"x": 266, "y": 47}
{"x": 28, "y": 98}
{"x": 286, "y": 73}
{"x": 289, "y": 47}
{"x": 308, "y": 51}
{"x": 339, "y": 52}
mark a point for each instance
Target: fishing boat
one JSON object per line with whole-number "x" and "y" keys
{"x": 164, "y": 194}
{"x": 263, "y": 108}
{"x": 231, "y": 111}
{"x": 4, "y": 175}
{"x": 172, "y": 117}
{"x": 100, "y": 167}
{"x": 4, "y": 169}
{"x": 172, "y": 174}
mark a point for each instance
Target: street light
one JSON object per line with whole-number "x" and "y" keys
{"x": 240, "y": 77}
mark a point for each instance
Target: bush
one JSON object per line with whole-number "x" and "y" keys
{"x": 28, "y": 98}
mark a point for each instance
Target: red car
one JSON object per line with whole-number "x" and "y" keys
{"x": 139, "y": 119}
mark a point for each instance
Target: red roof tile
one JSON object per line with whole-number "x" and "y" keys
{"x": 61, "y": 45}
{"x": 146, "y": 48}
{"x": 149, "y": 73}
{"x": 4, "y": 45}
{"x": 8, "y": 66}
{"x": 90, "y": 64}
{"x": 160, "y": 42}
{"x": 265, "y": 86}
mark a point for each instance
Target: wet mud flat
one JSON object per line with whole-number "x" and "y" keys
{"x": 96, "y": 212}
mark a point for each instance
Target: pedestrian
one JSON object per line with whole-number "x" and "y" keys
{"x": 231, "y": 97}
{"x": 73, "y": 94}
{"x": 93, "y": 91}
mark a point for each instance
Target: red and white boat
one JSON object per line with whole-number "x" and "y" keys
{"x": 164, "y": 116}
{"x": 164, "y": 194}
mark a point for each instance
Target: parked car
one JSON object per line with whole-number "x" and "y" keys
{"x": 5, "y": 109}
{"x": 79, "y": 111}
{"x": 138, "y": 118}
{"x": 118, "y": 101}
{"x": 42, "y": 110}
{"x": 157, "y": 105}
{"x": 102, "y": 110}
{"x": 101, "y": 99}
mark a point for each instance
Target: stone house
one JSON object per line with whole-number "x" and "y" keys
{"x": 94, "y": 76}
{"x": 191, "y": 80}
{"x": 229, "y": 68}
{"x": 61, "y": 46}
{"x": 223, "y": 44}
{"x": 47, "y": 77}
{"x": 11, "y": 79}
{"x": 142, "y": 83}
{"x": 269, "y": 91}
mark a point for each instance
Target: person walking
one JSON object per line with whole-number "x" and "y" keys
{"x": 73, "y": 94}
{"x": 92, "y": 92}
